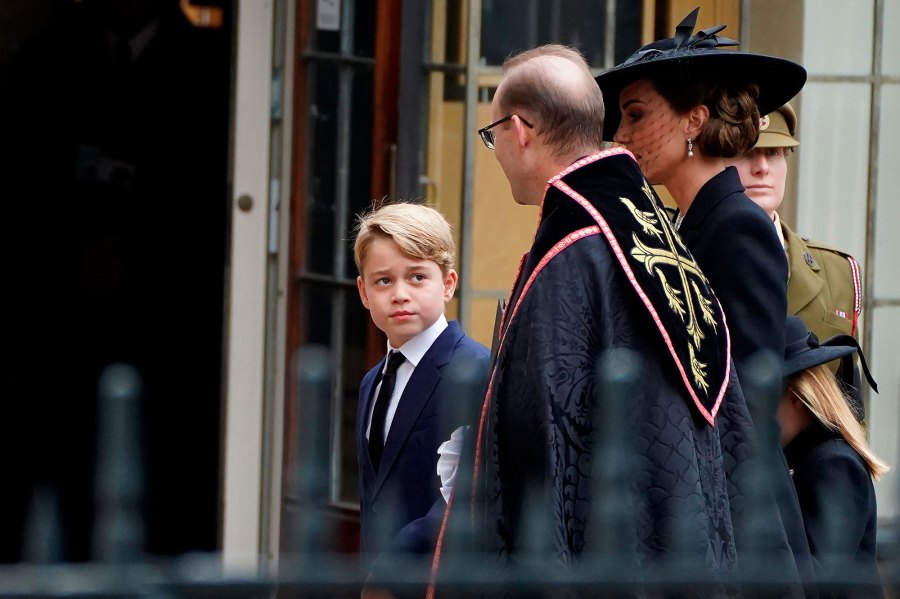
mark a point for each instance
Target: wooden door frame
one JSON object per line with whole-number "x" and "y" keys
{"x": 384, "y": 140}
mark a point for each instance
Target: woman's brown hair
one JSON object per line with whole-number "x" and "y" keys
{"x": 733, "y": 125}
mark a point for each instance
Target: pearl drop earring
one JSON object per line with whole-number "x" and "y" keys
{"x": 690, "y": 147}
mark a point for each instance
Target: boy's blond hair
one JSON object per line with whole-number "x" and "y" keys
{"x": 420, "y": 231}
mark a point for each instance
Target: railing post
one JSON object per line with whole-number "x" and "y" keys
{"x": 762, "y": 389}
{"x": 313, "y": 368}
{"x": 119, "y": 481}
{"x": 611, "y": 521}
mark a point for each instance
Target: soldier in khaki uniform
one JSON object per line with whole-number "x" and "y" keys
{"x": 824, "y": 287}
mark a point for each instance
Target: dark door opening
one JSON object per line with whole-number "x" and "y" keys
{"x": 113, "y": 174}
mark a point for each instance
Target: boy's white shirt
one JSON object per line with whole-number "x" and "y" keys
{"x": 413, "y": 350}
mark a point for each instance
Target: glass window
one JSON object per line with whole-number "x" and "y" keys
{"x": 354, "y": 368}
{"x": 339, "y": 124}
{"x": 884, "y": 407}
{"x": 341, "y": 135}
{"x": 512, "y": 25}
{"x": 834, "y": 163}
{"x": 359, "y": 185}
{"x": 356, "y": 17}
{"x": 836, "y": 120}
{"x": 837, "y": 37}
{"x": 323, "y": 125}
{"x": 887, "y": 208}
{"x": 890, "y": 49}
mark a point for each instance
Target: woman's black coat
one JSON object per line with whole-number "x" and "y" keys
{"x": 735, "y": 244}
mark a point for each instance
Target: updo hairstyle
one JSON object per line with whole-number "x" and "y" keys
{"x": 733, "y": 125}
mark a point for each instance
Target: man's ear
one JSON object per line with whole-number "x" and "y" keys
{"x": 524, "y": 133}
{"x": 362, "y": 292}
{"x": 694, "y": 120}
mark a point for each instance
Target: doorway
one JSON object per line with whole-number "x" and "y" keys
{"x": 114, "y": 169}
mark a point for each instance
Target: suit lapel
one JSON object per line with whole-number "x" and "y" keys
{"x": 416, "y": 395}
{"x": 367, "y": 393}
{"x": 803, "y": 285}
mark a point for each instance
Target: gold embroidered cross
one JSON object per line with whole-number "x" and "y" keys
{"x": 687, "y": 300}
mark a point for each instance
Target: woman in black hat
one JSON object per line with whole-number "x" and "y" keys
{"x": 826, "y": 448}
{"x": 683, "y": 107}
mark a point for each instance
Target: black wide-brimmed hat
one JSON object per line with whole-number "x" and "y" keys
{"x": 803, "y": 350}
{"x": 778, "y": 79}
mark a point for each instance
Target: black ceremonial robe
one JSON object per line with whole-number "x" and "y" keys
{"x": 606, "y": 270}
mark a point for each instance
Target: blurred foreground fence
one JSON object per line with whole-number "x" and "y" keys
{"x": 317, "y": 570}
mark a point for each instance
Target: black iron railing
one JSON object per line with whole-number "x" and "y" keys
{"x": 315, "y": 569}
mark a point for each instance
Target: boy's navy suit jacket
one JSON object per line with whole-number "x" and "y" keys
{"x": 395, "y": 503}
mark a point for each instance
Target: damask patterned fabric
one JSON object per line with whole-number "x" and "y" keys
{"x": 659, "y": 267}
{"x": 533, "y": 453}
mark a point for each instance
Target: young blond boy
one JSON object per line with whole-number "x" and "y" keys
{"x": 405, "y": 255}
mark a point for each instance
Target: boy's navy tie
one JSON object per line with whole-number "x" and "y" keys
{"x": 379, "y": 414}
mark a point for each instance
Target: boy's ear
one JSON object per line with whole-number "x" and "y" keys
{"x": 362, "y": 292}
{"x": 450, "y": 280}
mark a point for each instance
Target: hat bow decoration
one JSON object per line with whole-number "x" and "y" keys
{"x": 846, "y": 341}
{"x": 803, "y": 350}
{"x": 812, "y": 340}
{"x": 683, "y": 40}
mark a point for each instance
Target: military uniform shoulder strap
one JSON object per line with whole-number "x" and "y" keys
{"x": 818, "y": 245}
{"x": 824, "y": 250}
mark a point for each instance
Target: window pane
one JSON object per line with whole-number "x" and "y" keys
{"x": 323, "y": 172}
{"x": 884, "y": 407}
{"x": 359, "y": 182}
{"x": 355, "y": 367}
{"x": 887, "y": 240}
{"x": 326, "y": 125}
{"x": 837, "y": 37}
{"x": 628, "y": 30}
{"x": 890, "y": 50}
{"x": 327, "y": 41}
{"x": 512, "y": 25}
{"x": 363, "y": 27}
{"x": 361, "y": 14}
{"x": 834, "y": 160}
{"x": 444, "y": 152}
{"x": 316, "y": 319}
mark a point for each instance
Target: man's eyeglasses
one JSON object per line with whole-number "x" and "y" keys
{"x": 487, "y": 135}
